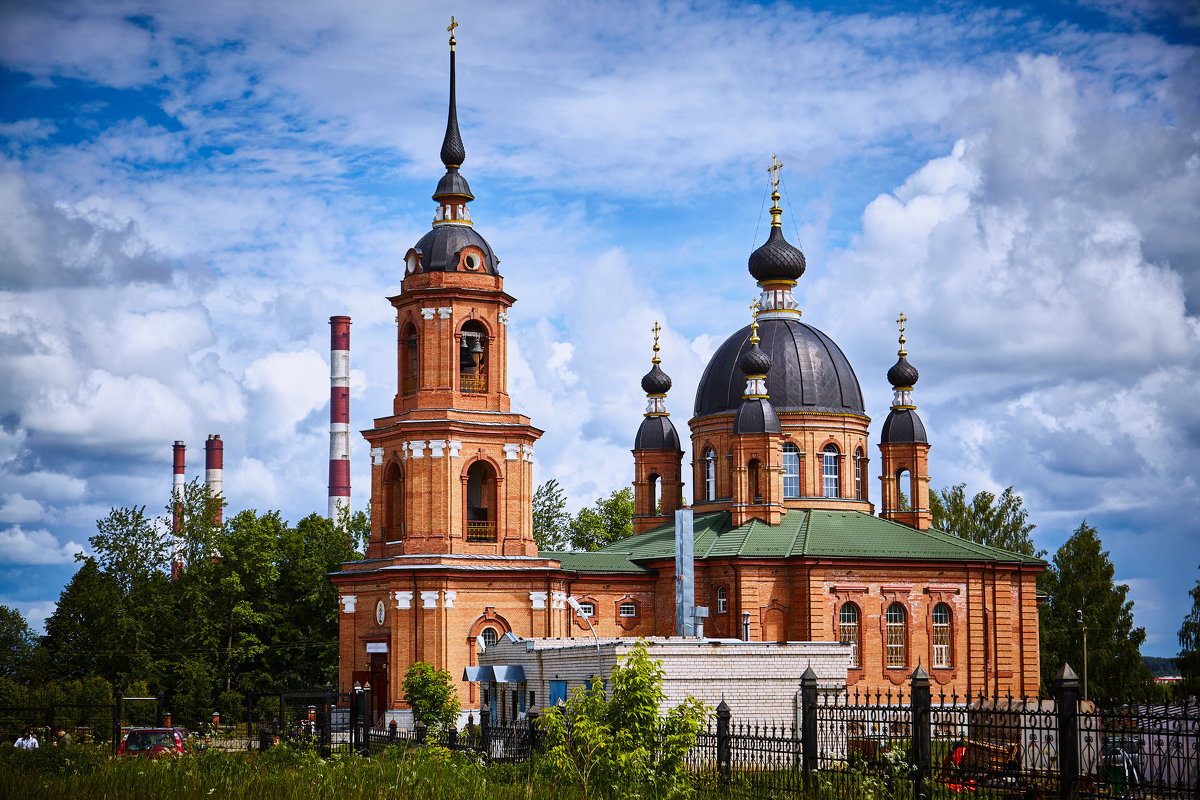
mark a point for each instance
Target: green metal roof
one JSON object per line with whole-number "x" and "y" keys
{"x": 825, "y": 534}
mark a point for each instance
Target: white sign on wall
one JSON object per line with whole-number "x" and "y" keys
{"x": 376, "y": 647}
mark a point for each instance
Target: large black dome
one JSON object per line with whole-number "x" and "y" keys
{"x": 808, "y": 372}
{"x": 440, "y": 249}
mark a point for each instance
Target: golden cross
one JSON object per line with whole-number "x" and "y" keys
{"x": 774, "y": 170}
{"x": 656, "y": 329}
{"x": 900, "y": 321}
{"x": 754, "y": 307}
{"x": 453, "y": 25}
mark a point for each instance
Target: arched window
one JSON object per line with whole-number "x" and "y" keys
{"x": 722, "y": 600}
{"x": 473, "y": 358}
{"x": 393, "y": 504}
{"x": 488, "y": 637}
{"x": 858, "y": 467}
{"x": 652, "y": 488}
{"x": 481, "y": 503}
{"x": 409, "y": 361}
{"x": 710, "y": 474}
{"x": 897, "y": 638}
{"x": 791, "y": 471}
{"x": 941, "y": 635}
{"x": 848, "y": 631}
{"x": 753, "y": 469}
{"x": 830, "y": 483}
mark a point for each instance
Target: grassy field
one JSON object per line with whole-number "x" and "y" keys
{"x": 279, "y": 774}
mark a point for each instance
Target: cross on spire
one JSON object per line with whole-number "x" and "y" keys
{"x": 451, "y": 28}
{"x": 776, "y": 165}
{"x": 656, "y": 329}
{"x": 900, "y": 320}
{"x": 754, "y": 307}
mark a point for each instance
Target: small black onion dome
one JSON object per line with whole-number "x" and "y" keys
{"x": 903, "y": 373}
{"x": 756, "y": 415}
{"x": 453, "y": 184}
{"x": 754, "y": 361}
{"x": 903, "y": 426}
{"x": 656, "y": 381}
{"x": 656, "y": 433}
{"x": 776, "y": 259}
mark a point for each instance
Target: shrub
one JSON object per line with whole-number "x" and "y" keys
{"x": 430, "y": 694}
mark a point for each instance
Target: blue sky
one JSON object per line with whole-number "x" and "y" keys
{"x": 188, "y": 194}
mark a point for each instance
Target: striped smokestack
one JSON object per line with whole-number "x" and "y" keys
{"x": 177, "y": 485}
{"x": 214, "y": 469}
{"x": 339, "y": 416}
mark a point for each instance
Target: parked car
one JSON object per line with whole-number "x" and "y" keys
{"x": 152, "y": 742}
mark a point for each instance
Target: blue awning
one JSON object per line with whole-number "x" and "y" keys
{"x": 477, "y": 674}
{"x": 514, "y": 673}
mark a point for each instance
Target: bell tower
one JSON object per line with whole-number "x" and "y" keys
{"x": 451, "y": 468}
{"x": 905, "y": 448}
{"x": 657, "y": 456}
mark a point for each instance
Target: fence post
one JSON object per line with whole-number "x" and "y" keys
{"x": 485, "y": 730}
{"x": 118, "y": 709}
{"x": 158, "y": 710}
{"x": 922, "y": 745}
{"x": 724, "y": 750}
{"x": 357, "y": 743}
{"x": 1066, "y": 695}
{"x": 282, "y": 731}
{"x": 808, "y": 726}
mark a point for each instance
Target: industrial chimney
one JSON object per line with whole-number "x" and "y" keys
{"x": 177, "y": 486}
{"x": 339, "y": 416}
{"x": 214, "y": 470}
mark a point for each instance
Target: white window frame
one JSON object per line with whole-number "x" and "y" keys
{"x": 850, "y": 630}
{"x": 587, "y": 608}
{"x": 858, "y": 459}
{"x": 897, "y": 635}
{"x": 791, "y": 471}
{"x": 483, "y": 637}
{"x": 830, "y": 474}
{"x": 710, "y": 474}
{"x": 941, "y": 635}
{"x": 627, "y": 609}
{"x": 722, "y": 600}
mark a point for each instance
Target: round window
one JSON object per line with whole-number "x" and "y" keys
{"x": 471, "y": 261}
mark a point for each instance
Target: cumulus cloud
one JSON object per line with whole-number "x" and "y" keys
{"x": 38, "y": 546}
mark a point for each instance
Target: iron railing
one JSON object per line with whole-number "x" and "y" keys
{"x": 470, "y": 383}
{"x": 481, "y": 531}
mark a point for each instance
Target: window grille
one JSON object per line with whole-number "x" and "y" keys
{"x": 628, "y": 610}
{"x": 941, "y": 635}
{"x": 897, "y": 655}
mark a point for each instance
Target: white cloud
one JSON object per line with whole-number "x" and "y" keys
{"x": 38, "y": 546}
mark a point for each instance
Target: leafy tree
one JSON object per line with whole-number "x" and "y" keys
{"x": 1081, "y": 578}
{"x": 17, "y": 641}
{"x": 131, "y": 547}
{"x": 429, "y": 692}
{"x": 996, "y": 522}
{"x": 551, "y": 522}
{"x": 615, "y": 743}
{"x": 610, "y": 520}
{"x": 1188, "y": 661}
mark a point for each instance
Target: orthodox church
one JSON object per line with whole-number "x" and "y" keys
{"x": 787, "y": 543}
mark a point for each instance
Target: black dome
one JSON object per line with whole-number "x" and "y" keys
{"x": 756, "y": 415}
{"x": 656, "y": 381}
{"x": 755, "y": 362}
{"x": 903, "y": 426}
{"x": 808, "y": 371}
{"x": 903, "y": 373}
{"x": 656, "y": 433}
{"x": 776, "y": 259}
{"x": 440, "y": 247}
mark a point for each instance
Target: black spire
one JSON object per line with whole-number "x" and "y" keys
{"x": 453, "y": 154}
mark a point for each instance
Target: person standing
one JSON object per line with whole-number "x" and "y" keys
{"x": 27, "y": 740}
{"x": 61, "y": 737}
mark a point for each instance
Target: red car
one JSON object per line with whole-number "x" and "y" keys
{"x": 152, "y": 742}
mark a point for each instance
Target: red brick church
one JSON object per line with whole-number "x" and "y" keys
{"x": 787, "y": 545}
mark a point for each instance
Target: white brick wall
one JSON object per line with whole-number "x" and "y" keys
{"x": 758, "y": 680}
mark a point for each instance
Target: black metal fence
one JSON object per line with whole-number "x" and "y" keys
{"x": 96, "y": 721}
{"x": 915, "y": 745}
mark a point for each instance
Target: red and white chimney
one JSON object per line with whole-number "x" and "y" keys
{"x": 179, "y": 481}
{"x": 214, "y": 470}
{"x": 339, "y": 416}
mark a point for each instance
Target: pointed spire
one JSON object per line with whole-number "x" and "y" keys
{"x": 453, "y": 153}
{"x": 777, "y": 265}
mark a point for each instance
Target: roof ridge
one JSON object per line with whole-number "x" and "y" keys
{"x": 801, "y": 527}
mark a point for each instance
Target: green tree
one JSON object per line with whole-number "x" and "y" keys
{"x": 997, "y": 522}
{"x": 610, "y": 520}
{"x": 17, "y": 642}
{"x": 1188, "y": 661}
{"x": 131, "y": 547}
{"x": 429, "y": 692}
{"x": 551, "y": 522}
{"x": 1081, "y": 579}
{"x": 613, "y": 742}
